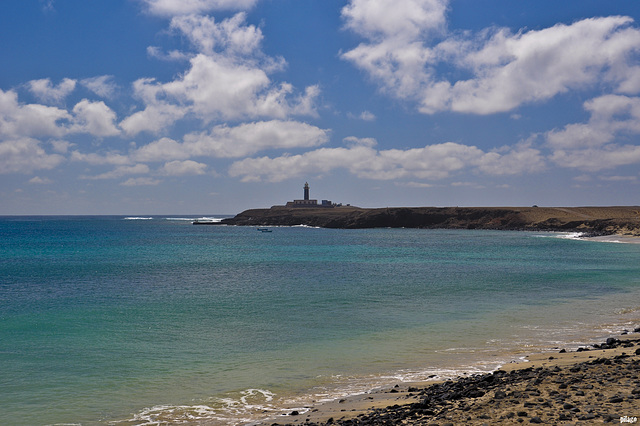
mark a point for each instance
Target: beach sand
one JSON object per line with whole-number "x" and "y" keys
{"x": 588, "y": 386}
{"x": 615, "y": 238}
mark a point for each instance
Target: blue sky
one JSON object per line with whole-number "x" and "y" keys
{"x": 216, "y": 106}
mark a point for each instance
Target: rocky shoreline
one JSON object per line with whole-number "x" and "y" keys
{"x": 593, "y": 221}
{"x": 600, "y": 384}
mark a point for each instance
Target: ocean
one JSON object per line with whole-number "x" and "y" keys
{"x": 150, "y": 320}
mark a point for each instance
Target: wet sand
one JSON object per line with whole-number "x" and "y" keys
{"x": 593, "y": 385}
{"x": 626, "y": 239}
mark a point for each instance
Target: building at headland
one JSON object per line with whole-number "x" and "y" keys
{"x": 308, "y": 202}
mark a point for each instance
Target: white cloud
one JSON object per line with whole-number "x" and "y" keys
{"x": 35, "y": 120}
{"x": 141, "y": 181}
{"x": 95, "y": 118}
{"x": 249, "y": 138}
{"x": 611, "y": 115}
{"x": 120, "y": 171}
{"x": 224, "y": 141}
{"x": 406, "y": 19}
{"x": 512, "y": 69}
{"x": 24, "y": 155}
{"x": 364, "y": 116}
{"x": 599, "y": 143}
{"x": 215, "y": 88}
{"x": 161, "y": 150}
{"x": 96, "y": 159}
{"x": 594, "y": 159}
{"x": 361, "y": 159}
{"x": 231, "y": 36}
{"x": 181, "y": 168}
{"x": 45, "y": 91}
{"x": 507, "y": 70}
{"x": 186, "y": 7}
{"x": 30, "y": 120}
{"x": 174, "y": 55}
{"x": 61, "y": 147}
{"x": 520, "y": 159}
{"x": 103, "y": 85}
{"x": 37, "y": 180}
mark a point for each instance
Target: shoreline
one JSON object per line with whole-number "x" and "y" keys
{"x": 596, "y": 383}
{"x": 613, "y": 238}
{"x": 594, "y": 221}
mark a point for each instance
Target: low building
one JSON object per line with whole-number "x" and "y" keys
{"x": 307, "y": 202}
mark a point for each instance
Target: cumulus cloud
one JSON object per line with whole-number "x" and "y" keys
{"x": 37, "y": 180}
{"x": 103, "y": 85}
{"x": 141, "y": 181}
{"x": 99, "y": 159}
{"x": 227, "y": 79}
{"x": 231, "y": 36}
{"x": 507, "y": 70}
{"x": 25, "y": 155}
{"x": 245, "y": 139}
{"x": 513, "y": 69}
{"x": 360, "y": 158}
{"x": 249, "y": 138}
{"x": 186, "y": 7}
{"x": 30, "y": 120}
{"x": 405, "y": 19}
{"x": 181, "y": 168}
{"x": 95, "y": 118}
{"x": 45, "y": 91}
{"x": 216, "y": 88}
{"x": 19, "y": 120}
{"x": 600, "y": 143}
{"x": 120, "y": 171}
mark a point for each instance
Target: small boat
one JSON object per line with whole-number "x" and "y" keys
{"x": 264, "y": 229}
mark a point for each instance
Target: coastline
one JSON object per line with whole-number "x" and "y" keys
{"x": 614, "y": 238}
{"x": 599, "y": 383}
{"x": 592, "y": 221}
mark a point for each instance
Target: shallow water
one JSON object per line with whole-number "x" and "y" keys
{"x": 113, "y": 320}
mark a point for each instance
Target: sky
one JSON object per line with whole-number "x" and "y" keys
{"x": 217, "y": 106}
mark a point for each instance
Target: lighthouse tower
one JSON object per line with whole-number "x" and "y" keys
{"x": 306, "y": 191}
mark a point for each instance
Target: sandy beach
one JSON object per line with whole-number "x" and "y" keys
{"x": 593, "y": 385}
{"x": 616, "y": 238}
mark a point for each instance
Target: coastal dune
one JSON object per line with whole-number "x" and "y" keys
{"x": 592, "y": 220}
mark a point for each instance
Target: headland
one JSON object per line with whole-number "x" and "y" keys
{"x": 623, "y": 220}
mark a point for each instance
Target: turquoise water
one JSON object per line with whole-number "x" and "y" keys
{"x": 114, "y": 320}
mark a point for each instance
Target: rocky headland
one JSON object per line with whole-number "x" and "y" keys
{"x": 589, "y": 220}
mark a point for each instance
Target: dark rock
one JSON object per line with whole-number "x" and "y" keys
{"x": 522, "y": 414}
{"x": 611, "y": 341}
{"x": 615, "y": 400}
{"x": 587, "y": 417}
{"x": 535, "y": 419}
{"x": 294, "y": 413}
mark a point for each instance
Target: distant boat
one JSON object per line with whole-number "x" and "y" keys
{"x": 263, "y": 229}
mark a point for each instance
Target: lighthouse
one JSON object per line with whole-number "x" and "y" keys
{"x": 307, "y": 201}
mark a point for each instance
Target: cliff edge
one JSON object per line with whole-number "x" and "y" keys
{"x": 593, "y": 220}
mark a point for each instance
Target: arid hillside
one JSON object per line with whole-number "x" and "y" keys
{"x": 595, "y": 220}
